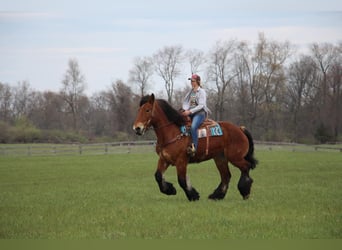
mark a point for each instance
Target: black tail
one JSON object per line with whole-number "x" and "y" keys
{"x": 250, "y": 155}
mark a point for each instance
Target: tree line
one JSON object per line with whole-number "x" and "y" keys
{"x": 277, "y": 92}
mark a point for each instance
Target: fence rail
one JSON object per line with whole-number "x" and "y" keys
{"x": 76, "y": 149}
{"x": 126, "y": 147}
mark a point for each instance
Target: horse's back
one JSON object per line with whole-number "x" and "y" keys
{"x": 235, "y": 139}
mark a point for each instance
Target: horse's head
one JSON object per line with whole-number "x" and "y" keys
{"x": 143, "y": 120}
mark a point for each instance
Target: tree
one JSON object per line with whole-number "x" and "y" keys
{"x": 73, "y": 86}
{"x": 335, "y": 86}
{"x": 121, "y": 100}
{"x": 196, "y": 59}
{"x": 324, "y": 55}
{"x": 167, "y": 64}
{"x": 221, "y": 72}
{"x": 141, "y": 73}
{"x": 269, "y": 76}
{"x": 99, "y": 118}
{"x": 22, "y": 96}
{"x": 5, "y": 102}
{"x": 248, "y": 89}
{"x": 328, "y": 62}
{"x": 51, "y": 111}
{"x": 300, "y": 94}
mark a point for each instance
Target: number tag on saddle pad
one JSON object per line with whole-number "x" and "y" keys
{"x": 212, "y": 130}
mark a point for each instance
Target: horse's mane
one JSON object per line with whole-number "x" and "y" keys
{"x": 171, "y": 114}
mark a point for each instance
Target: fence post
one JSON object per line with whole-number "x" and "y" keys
{"x": 106, "y": 148}
{"x": 80, "y": 148}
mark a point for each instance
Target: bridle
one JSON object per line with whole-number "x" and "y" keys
{"x": 147, "y": 126}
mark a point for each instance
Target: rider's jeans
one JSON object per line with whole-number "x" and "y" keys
{"x": 197, "y": 119}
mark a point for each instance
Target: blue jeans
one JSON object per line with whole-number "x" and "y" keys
{"x": 197, "y": 119}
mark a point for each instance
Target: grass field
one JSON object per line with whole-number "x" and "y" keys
{"x": 295, "y": 195}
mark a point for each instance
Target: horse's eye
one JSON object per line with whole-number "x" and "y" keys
{"x": 148, "y": 110}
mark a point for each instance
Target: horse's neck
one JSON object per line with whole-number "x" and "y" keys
{"x": 164, "y": 129}
{"x": 167, "y": 134}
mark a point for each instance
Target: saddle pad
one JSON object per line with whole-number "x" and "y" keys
{"x": 212, "y": 130}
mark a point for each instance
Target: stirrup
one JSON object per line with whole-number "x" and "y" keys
{"x": 191, "y": 151}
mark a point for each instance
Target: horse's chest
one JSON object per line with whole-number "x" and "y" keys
{"x": 166, "y": 155}
{"x": 169, "y": 157}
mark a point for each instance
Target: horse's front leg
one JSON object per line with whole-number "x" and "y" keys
{"x": 164, "y": 186}
{"x": 184, "y": 181}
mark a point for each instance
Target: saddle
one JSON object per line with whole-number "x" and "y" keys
{"x": 207, "y": 122}
{"x": 208, "y": 128}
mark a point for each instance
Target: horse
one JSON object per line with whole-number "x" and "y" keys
{"x": 235, "y": 145}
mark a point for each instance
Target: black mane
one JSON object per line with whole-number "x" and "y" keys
{"x": 171, "y": 114}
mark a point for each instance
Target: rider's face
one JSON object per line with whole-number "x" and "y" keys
{"x": 193, "y": 83}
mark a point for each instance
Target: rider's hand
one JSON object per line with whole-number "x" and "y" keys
{"x": 186, "y": 113}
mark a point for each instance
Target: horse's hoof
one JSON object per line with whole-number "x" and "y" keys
{"x": 170, "y": 190}
{"x": 193, "y": 195}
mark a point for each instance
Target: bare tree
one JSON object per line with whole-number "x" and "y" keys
{"x": 268, "y": 60}
{"x": 221, "y": 71}
{"x": 121, "y": 99}
{"x": 248, "y": 88}
{"x": 301, "y": 92}
{"x": 167, "y": 62}
{"x": 328, "y": 63}
{"x": 5, "y": 102}
{"x": 328, "y": 59}
{"x": 141, "y": 73}
{"x": 22, "y": 94}
{"x": 324, "y": 54}
{"x": 73, "y": 86}
{"x": 335, "y": 86}
{"x": 51, "y": 111}
{"x": 99, "y": 118}
{"x": 196, "y": 59}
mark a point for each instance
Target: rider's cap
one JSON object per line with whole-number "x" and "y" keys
{"x": 195, "y": 77}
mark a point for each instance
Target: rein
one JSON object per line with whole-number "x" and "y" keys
{"x": 178, "y": 137}
{"x": 163, "y": 126}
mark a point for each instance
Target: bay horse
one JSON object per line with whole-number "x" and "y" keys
{"x": 235, "y": 145}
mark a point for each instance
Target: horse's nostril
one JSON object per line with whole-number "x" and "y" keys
{"x": 138, "y": 131}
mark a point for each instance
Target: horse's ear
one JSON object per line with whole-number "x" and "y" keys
{"x": 151, "y": 99}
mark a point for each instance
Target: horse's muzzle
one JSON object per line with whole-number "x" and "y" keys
{"x": 139, "y": 130}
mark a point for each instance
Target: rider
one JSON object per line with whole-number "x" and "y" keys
{"x": 195, "y": 106}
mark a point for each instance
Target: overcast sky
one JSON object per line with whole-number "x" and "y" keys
{"x": 37, "y": 38}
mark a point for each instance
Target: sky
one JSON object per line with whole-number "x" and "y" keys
{"x": 38, "y": 38}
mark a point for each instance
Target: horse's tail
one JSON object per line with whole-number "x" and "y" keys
{"x": 250, "y": 154}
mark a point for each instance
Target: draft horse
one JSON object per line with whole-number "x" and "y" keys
{"x": 235, "y": 146}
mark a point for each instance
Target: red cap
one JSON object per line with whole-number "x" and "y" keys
{"x": 195, "y": 77}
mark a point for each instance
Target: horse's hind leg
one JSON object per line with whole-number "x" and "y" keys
{"x": 221, "y": 190}
{"x": 245, "y": 182}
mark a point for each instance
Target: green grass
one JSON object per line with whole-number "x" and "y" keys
{"x": 295, "y": 195}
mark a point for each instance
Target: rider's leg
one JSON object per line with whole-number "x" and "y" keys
{"x": 197, "y": 120}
